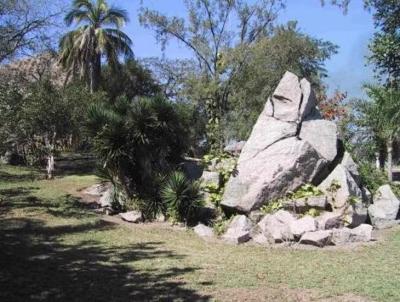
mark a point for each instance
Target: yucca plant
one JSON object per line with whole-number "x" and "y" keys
{"x": 181, "y": 196}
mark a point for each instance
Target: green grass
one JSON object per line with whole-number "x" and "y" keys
{"x": 54, "y": 249}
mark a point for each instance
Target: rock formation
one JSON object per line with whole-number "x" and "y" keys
{"x": 290, "y": 145}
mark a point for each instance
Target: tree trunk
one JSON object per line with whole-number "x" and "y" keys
{"x": 50, "y": 166}
{"x": 95, "y": 70}
{"x": 377, "y": 161}
{"x": 389, "y": 159}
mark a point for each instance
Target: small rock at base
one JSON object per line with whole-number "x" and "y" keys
{"x": 132, "y": 216}
{"x": 318, "y": 238}
{"x": 203, "y": 230}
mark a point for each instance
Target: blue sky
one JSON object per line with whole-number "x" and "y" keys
{"x": 351, "y": 32}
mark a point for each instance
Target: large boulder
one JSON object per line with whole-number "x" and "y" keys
{"x": 292, "y": 99}
{"x": 385, "y": 209}
{"x": 289, "y": 146}
{"x": 282, "y": 167}
{"x": 322, "y": 135}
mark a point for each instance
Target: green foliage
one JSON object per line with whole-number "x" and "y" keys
{"x": 307, "y": 190}
{"x": 312, "y": 212}
{"x": 220, "y": 225}
{"x": 334, "y": 186}
{"x": 353, "y": 200}
{"x": 272, "y": 206}
{"x": 131, "y": 81}
{"x": 371, "y": 177}
{"x": 225, "y": 165}
{"x": 181, "y": 196}
{"x": 42, "y": 118}
{"x": 138, "y": 143}
{"x": 287, "y": 48}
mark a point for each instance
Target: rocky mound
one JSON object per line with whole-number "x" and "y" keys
{"x": 291, "y": 146}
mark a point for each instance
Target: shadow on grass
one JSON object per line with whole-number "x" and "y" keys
{"x": 65, "y": 167}
{"x": 37, "y": 266}
{"x": 8, "y": 177}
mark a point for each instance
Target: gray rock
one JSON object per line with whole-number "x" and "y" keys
{"x": 236, "y": 236}
{"x": 303, "y": 204}
{"x": 97, "y": 189}
{"x": 286, "y": 99}
{"x": 348, "y": 163}
{"x": 362, "y": 233}
{"x": 210, "y": 178}
{"x": 256, "y": 216}
{"x": 132, "y": 216}
{"x": 318, "y": 238}
{"x": 234, "y": 147}
{"x": 282, "y": 167}
{"x": 366, "y": 196}
{"x": 384, "y": 211}
{"x": 238, "y": 230}
{"x": 303, "y": 225}
{"x": 356, "y": 214}
{"x": 107, "y": 198}
{"x": 322, "y": 135}
{"x": 203, "y": 231}
{"x": 341, "y": 236}
{"x": 348, "y": 187}
{"x": 276, "y": 227}
{"x": 292, "y": 100}
{"x": 261, "y": 239}
{"x": 330, "y": 220}
{"x": 309, "y": 101}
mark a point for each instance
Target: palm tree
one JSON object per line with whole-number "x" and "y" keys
{"x": 83, "y": 48}
{"x": 381, "y": 114}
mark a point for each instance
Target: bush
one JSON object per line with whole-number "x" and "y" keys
{"x": 138, "y": 142}
{"x": 181, "y": 197}
{"x": 371, "y": 177}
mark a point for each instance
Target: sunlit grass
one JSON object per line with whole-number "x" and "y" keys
{"x": 371, "y": 271}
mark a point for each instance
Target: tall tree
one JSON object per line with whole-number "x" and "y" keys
{"x": 381, "y": 116}
{"x": 100, "y": 36}
{"x": 24, "y": 26}
{"x": 207, "y": 34}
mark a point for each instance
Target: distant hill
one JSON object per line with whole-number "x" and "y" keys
{"x": 35, "y": 68}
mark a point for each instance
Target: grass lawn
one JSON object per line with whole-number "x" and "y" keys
{"x": 54, "y": 249}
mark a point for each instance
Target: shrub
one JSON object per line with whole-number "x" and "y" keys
{"x": 138, "y": 142}
{"x": 371, "y": 177}
{"x": 181, "y": 197}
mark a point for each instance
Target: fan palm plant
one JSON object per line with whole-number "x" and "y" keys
{"x": 137, "y": 142}
{"x": 99, "y": 36}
